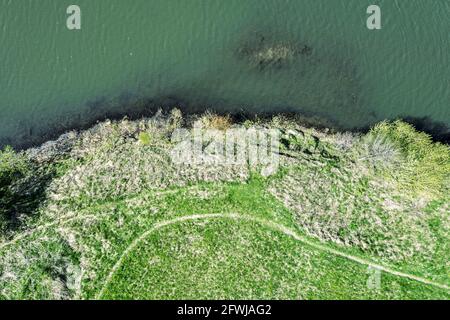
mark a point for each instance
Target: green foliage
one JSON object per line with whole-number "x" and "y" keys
{"x": 175, "y": 118}
{"x": 309, "y": 146}
{"x": 22, "y": 188}
{"x": 13, "y": 166}
{"x": 144, "y": 138}
{"x": 425, "y": 168}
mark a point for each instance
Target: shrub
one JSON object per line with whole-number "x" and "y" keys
{"x": 175, "y": 118}
{"x": 345, "y": 141}
{"x": 380, "y": 152}
{"x": 425, "y": 168}
{"x": 211, "y": 120}
{"x": 144, "y": 138}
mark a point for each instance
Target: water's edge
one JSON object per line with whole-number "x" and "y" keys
{"x": 146, "y": 108}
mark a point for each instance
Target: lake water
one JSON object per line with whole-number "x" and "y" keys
{"x": 133, "y": 55}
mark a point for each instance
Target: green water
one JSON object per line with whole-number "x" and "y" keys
{"x": 187, "y": 52}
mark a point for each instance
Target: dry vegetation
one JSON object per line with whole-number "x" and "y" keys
{"x": 92, "y": 200}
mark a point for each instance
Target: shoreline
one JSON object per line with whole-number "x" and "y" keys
{"x": 438, "y": 131}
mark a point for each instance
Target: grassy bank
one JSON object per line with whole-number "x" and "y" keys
{"x": 105, "y": 213}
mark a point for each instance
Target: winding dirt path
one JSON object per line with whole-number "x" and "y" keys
{"x": 270, "y": 224}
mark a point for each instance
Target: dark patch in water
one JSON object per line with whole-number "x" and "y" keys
{"x": 95, "y": 111}
{"x": 102, "y": 109}
{"x": 138, "y": 107}
{"x": 304, "y": 81}
{"x": 439, "y": 131}
{"x": 309, "y": 77}
{"x": 263, "y": 52}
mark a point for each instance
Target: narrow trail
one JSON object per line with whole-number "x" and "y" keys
{"x": 275, "y": 226}
{"x": 73, "y": 217}
{"x": 270, "y": 224}
{"x": 60, "y": 221}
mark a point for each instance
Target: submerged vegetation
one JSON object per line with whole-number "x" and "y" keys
{"x": 263, "y": 52}
{"x": 105, "y": 213}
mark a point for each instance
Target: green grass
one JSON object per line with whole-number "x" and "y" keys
{"x": 292, "y": 269}
{"x": 238, "y": 260}
{"x": 310, "y": 231}
{"x": 14, "y": 168}
{"x": 425, "y": 165}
